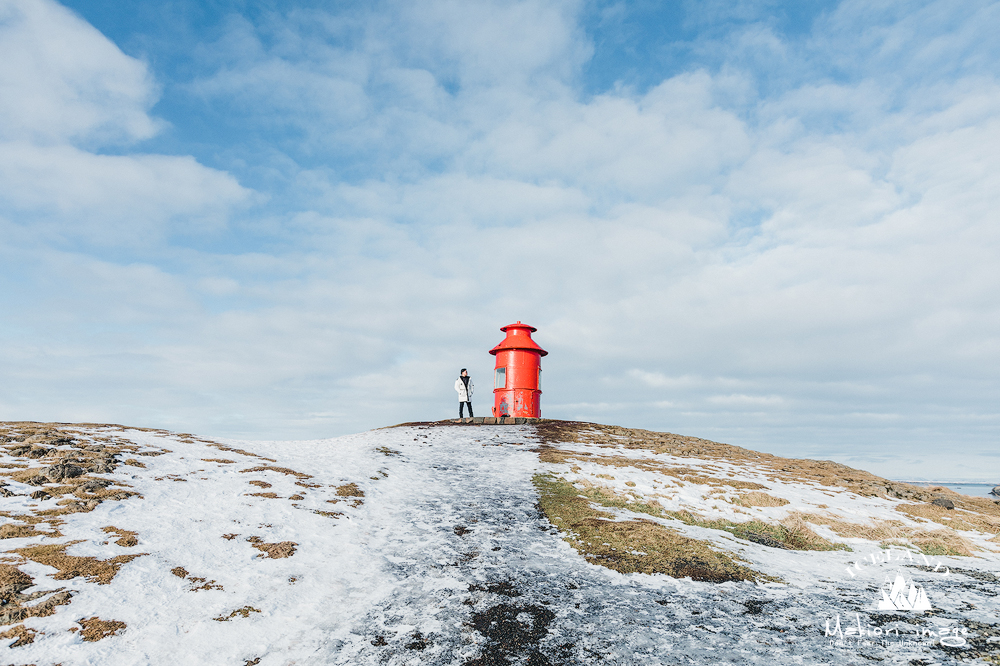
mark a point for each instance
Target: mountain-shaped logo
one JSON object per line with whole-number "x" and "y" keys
{"x": 898, "y": 594}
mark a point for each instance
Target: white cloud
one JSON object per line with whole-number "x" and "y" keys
{"x": 62, "y": 80}
{"x": 788, "y": 270}
{"x": 68, "y": 91}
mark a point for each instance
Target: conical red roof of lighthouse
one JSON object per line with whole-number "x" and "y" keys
{"x": 518, "y": 337}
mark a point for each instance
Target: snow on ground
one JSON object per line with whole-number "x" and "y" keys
{"x": 424, "y": 544}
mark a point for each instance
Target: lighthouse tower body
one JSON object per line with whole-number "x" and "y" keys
{"x": 517, "y": 386}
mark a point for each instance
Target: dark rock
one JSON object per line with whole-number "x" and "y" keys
{"x": 106, "y": 466}
{"x": 39, "y": 452}
{"x": 40, "y": 495}
{"x": 419, "y": 642}
{"x": 5, "y": 493}
{"x": 37, "y": 480}
{"x": 946, "y": 503}
{"x": 996, "y": 491}
{"x": 13, "y": 580}
{"x": 504, "y": 588}
{"x": 755, "y": 606}
{"x": 21, "y": 450}
{"x": 95, "y": 485}
{"x": 63, "y": 470}
{"x": 513, "y": 633}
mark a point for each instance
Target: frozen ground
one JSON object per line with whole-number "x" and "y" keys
{"x": 424, "y": 544}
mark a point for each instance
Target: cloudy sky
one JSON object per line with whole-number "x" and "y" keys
{"x": 773, "y": 224}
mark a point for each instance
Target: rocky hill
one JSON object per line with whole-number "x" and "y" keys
{"x": 445, "y": 543}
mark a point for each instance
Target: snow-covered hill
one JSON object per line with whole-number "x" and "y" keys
{"x": 441, "y": 543}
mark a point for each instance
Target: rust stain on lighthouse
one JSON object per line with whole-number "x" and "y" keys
{"x": 517, "y": 386}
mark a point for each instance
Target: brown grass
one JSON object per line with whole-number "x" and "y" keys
{"x": 221, "y": 461}
{"x": 126, "y": 539}
{"x": 273, "y": 550}
{"x": 203, "y": 584}
{"x": 823, "y": 472}
{"x": 23, "y": 634}
{"x": 280, "y": 470}
{"x": 685, "y": 474}
{"x": 95, "y": 629}
{"x": 260, "y": 484}
{"x": 790, "y": 533}
{"x": 229, "y": 449}
{"x": 634, "y": 545}
{"x": 242, "y": 612}
{"x": 15, "y": 605}
{"x": 70, "y": 566}
{"x": 267, "y": 495}
{"x": 198, "y": 583}
{"x": 958, "y": 518}
{"x": 898, "y": 533}
{"x": 971, "y": 513}
{"x": 330, "y": 514}
{"x": 21, "y": 530}
{"x": 759, "y": 499}
{"x": 350, "y": 490}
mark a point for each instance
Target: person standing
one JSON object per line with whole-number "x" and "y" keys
{"x": 464, "y": 387}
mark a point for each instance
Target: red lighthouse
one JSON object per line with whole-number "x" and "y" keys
{"x": 517, "y": 379}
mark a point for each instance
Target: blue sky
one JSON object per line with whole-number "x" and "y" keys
{"x": 766, "y": 223}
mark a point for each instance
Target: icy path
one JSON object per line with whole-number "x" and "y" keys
{"x": 446, "y": 560}
{"x": 476, "y": 571}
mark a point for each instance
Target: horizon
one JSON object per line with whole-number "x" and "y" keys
{"x": 769, "y": 224}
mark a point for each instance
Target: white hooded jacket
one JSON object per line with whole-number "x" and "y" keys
{"x": 463, "y": 395}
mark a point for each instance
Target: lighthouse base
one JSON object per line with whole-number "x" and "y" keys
{"x": 518, "y": 402}
{"x": 493, "y": 420}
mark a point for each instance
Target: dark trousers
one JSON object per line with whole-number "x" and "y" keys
{"x": 461, "y": 406}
